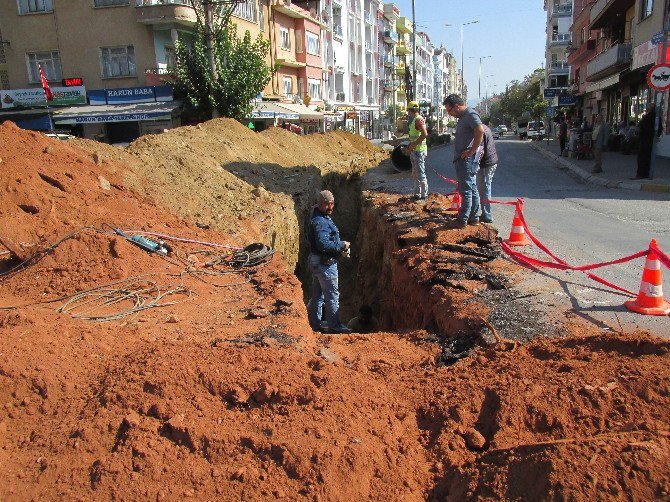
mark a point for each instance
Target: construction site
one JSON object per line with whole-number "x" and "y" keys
{"x": 155, "y": 344}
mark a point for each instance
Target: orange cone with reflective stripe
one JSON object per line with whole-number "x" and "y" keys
{"x": 455, "y": 202}
{"x": 517, "y": 236}
{"x": 650, "y": 299}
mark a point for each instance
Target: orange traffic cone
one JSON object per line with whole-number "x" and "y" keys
{"x": 517, "y": 236}
{"x": 455, "y": 202}
{"x": 650, "y": 299}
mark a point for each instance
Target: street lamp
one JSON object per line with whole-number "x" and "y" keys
{"x": 462, "y": 24}
{"x": 480, "y": 75}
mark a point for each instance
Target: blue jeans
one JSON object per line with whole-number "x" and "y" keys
{"x": 324, "y": 293}
{"x": 484, "y": 180}
{"x": 466, "y": 174}
{"x": 418, "y": 160}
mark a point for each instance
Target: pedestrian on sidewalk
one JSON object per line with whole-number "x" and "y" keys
{"x": 598, "y": 139}
{"x": 562, "y": 135}
{"x": 325, "y": 247}
{"x": 467, "y": 152}
{"x": 487, "y": 168}
{"x": 417, "y": 150}
{"x": 646, "y": 142}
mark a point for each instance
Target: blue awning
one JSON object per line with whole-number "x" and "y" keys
{"x": 117, "y": 113}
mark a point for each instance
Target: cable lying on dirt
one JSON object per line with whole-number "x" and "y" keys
{"x": 36, "y": 257}
{"x": 135, "y": 294}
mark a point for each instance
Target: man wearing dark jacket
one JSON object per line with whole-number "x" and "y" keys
{"x": 325, "y": 247}
{"x": 487, "y": 168}
{"x": 646, "y": 142}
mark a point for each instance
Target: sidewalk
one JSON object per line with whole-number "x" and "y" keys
{"x": 617, "y": 169}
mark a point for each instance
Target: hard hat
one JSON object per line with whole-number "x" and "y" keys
{"x": 412, "y": 105}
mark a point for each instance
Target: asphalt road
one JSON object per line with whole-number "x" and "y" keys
{"x": 578, "y": 222}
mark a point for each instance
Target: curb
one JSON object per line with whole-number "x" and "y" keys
{"x": 589, "y": 177}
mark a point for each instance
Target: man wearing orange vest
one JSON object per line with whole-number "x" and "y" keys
{"x": 417, "y": 150}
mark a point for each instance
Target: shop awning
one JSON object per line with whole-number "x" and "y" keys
{"x": 604, "y": 83}
{"x": 302, "y": 111}
{"x": 117, "y": 113}
{"x": 272, "y": 110}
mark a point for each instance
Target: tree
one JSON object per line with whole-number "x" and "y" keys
{"x": 220, "y": 74}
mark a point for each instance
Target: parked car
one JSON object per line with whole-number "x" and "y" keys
{"x": 536, "y": 130}
{"x": 496, "y": 132}
{"x": 503, "y": 129}
{"x": 522, "y": 129}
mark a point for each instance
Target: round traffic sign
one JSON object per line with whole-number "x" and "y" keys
{"x": 658, "y": 77}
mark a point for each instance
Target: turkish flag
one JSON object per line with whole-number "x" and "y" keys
{"x": 45, "y": 85}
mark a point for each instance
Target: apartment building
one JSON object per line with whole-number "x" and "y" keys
{"x": 559, "y": 20}
{"x": 580, "y": 49}
{"x": 118, "y": 50}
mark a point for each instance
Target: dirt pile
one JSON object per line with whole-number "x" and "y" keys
{"x": 205, "y": 381}
{"x": 256, "y": 187}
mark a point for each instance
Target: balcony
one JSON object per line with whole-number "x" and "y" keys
{"x": 403, "y": 49}
{"x": 562, "y": 10}
{"x": 584, "y": 50}
{"x": 391, "y": 11}
{"x": 613, "y": 60}
{"x": 390, "y": 37}
{"x": 165, "y": 12}
{"x": 291, "y": 63}
{"x": 400, "y": 69}
{"x": 560, "y": 39}
{"x": 559, "y": 68}
{"x": 403, "y": 25}
{"x": 608, "y": 13}
{"x": 388, "y": 60}
{"x": 295, "y": 11}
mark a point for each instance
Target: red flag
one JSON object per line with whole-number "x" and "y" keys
{"x": 45, "y": 85}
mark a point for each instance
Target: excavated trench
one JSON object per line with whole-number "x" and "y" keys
{"x": 419, "y": 273}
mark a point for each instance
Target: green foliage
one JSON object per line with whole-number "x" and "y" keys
{"x": 520, "y": 97}
{"x": 398, "y": 111}
{"x": 241, "y": 74}
{"x": 451, "y": 124}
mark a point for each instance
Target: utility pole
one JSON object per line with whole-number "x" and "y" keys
{"x": 659, "y": 107}
{"x": 414, "y": 49}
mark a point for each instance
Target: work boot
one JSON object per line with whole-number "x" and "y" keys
{"x": 339, "y": 330}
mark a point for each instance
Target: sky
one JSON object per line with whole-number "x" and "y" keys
{"x": 512, "y": 32}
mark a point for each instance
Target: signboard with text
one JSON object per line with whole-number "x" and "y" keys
{"x": 128, "y": 95}
{"x": 26, "y": 98}
{"x": 550, "y": 93}
{"x": 567, "y": 101}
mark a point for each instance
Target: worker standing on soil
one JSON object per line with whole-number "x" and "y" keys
{"x": 325, "y": 248}
{"x": 418, "y": 150}
{"x": 467, "y": 152}
{"x": 487, "y": 168}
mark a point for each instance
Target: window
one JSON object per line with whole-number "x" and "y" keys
{"x": 314, "y": 88}
{"x": 298, "y": 41}
{"x": 109, "y": 3}
{"x": 170, "y": 57}
{"x": 50, "y": 62}
{"x": 246, "y": 10}
{"x": 33, "y": 6}
{"x": 646, "y": 8}
{"x": 312, "y": 43}
{"x": 118, "y": 61}
{"x": 288, "y": 86}
{"x": 285, "y": 38}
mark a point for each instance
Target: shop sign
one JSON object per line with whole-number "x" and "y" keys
{"x": 657, "y": 38}
{"x": 130, "y": 117}
{"x": 126, "y": 95}
{"x": 63, "y": 96}
{"x": 644, "y": 54}
{"x": 550, "y": 93}
{"x": 345, "y": 108}
{"x": 567, "y": 101}
{"x": 658, "y": 77}
{"x": 310, "y": 121}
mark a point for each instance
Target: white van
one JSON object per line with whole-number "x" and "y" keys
{"x": 536, "y": 130}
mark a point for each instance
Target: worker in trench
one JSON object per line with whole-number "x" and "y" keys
{"x": 325, "y": 248}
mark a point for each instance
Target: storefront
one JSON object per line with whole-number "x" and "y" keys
{"x": 122, "y": 115}
{"x": 270, "y": 114}
{"x": 28, "y": 109}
